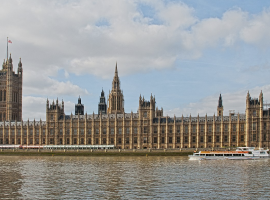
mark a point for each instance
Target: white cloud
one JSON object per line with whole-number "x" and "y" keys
{"x": 44, "y": 85}
{"x": 235, "y": 101}
{"x": 66, "y": 34}
{"x": 257, "y": 30}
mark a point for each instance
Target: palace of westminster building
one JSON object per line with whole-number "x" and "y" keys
{"x": 147, "y": 128}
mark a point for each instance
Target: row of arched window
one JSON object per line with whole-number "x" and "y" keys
{"x": 3, "y": 96}
{"x": 3, "y": 116}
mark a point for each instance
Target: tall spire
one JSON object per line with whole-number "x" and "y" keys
{"x": 116, "y": 81}
{"x": 116, "y": 98}
{"x": 116, "y": 72}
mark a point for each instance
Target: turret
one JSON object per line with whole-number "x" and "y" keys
{"x": 20, "y": 70}
{"x": 102, "y": 107}
{"x": 79, "y": 108}
{"x": 248, "y": 100}
{"x": 220, "y": 106}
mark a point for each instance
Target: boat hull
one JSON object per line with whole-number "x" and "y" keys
{"x": 191, "y": 157}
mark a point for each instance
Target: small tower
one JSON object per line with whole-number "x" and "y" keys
{"x": 79, "y": 108}
{"x": 147, "y": 108}
{"x": 220, "y": 107}
{"x": 54, "y": 112}
{"x": 102, "y": 106}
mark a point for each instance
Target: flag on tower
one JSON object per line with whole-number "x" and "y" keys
{"x": 9, "y": 41}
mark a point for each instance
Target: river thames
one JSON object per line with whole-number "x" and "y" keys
{"x": 132, "y": 178}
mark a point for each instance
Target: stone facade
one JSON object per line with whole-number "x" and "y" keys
{"x": 10, "y": 91}
{"x": 147, "y": 128}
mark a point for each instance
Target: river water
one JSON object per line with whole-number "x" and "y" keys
{"x": 132, "y": 178}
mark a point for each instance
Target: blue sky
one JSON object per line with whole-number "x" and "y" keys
{"x": 184, "y": 52}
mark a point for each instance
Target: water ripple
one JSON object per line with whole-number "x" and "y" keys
{"x": 132, "y": 178}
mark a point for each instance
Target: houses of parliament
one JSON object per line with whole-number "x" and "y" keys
{"x": 147, "y": 128}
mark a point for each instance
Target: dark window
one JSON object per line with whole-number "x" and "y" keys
{"x": 119, "y": 140}
{"x": 178, "y": 139}
{"x": 194, "y": 139}
{"x": 155, "y": 139}
{"x": 97, "y": 142}
{"x": 209, "y": 138}
{"x": 225, "y": 138}
{"x": 186, "y": 139}
{"x": 82, "y": 141}
{"x": 242, "y": 138}
{"x": 201, "y": 139}
{"x": 233, "y": 138}
{"x": 162, "y": 140}
{"x": 145, "y": 140}
{"x": 170, "y": 140}
{"x": 104, "y": 140}
{"x": 217, "y": 138}
{"x": 51, "y": 141}
{"x": 127, "y": 140}
{"x": 135, "y": 140}
{"x": 112, "y": 141}
{"x": 254, "y": 137}
{"x": 89, "y": 140}
{"x": 75, "y": 141}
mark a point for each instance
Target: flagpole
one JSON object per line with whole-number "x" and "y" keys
{"x": 7, "y": 48}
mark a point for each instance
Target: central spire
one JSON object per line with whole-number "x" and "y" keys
{"x": 116, "y": 72}
{"x": 116, "y": 82}
{"x": 116, "y": 98}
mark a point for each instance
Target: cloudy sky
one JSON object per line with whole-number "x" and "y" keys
{"x": 184, "y": 52}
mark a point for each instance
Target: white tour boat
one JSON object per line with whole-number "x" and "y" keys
{"x": 241, "y": 153}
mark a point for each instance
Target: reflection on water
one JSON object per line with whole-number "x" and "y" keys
{"x": 132, "y": 178}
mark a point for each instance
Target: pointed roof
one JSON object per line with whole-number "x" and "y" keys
{"x": 116, "y": 81}
{"x": 102, "y": 93}
{"x": 116, "y": 72}
{"x": 220, "y": 101}
{"x": 10, "y": 59}
{"x": 20, "y": 63}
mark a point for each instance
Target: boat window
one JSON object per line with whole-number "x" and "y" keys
{"x": 202, "y": 154}
{"x": 262, "y": 152}
{"x": 242, "y": 155}
{"x": 249, "y": 152}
